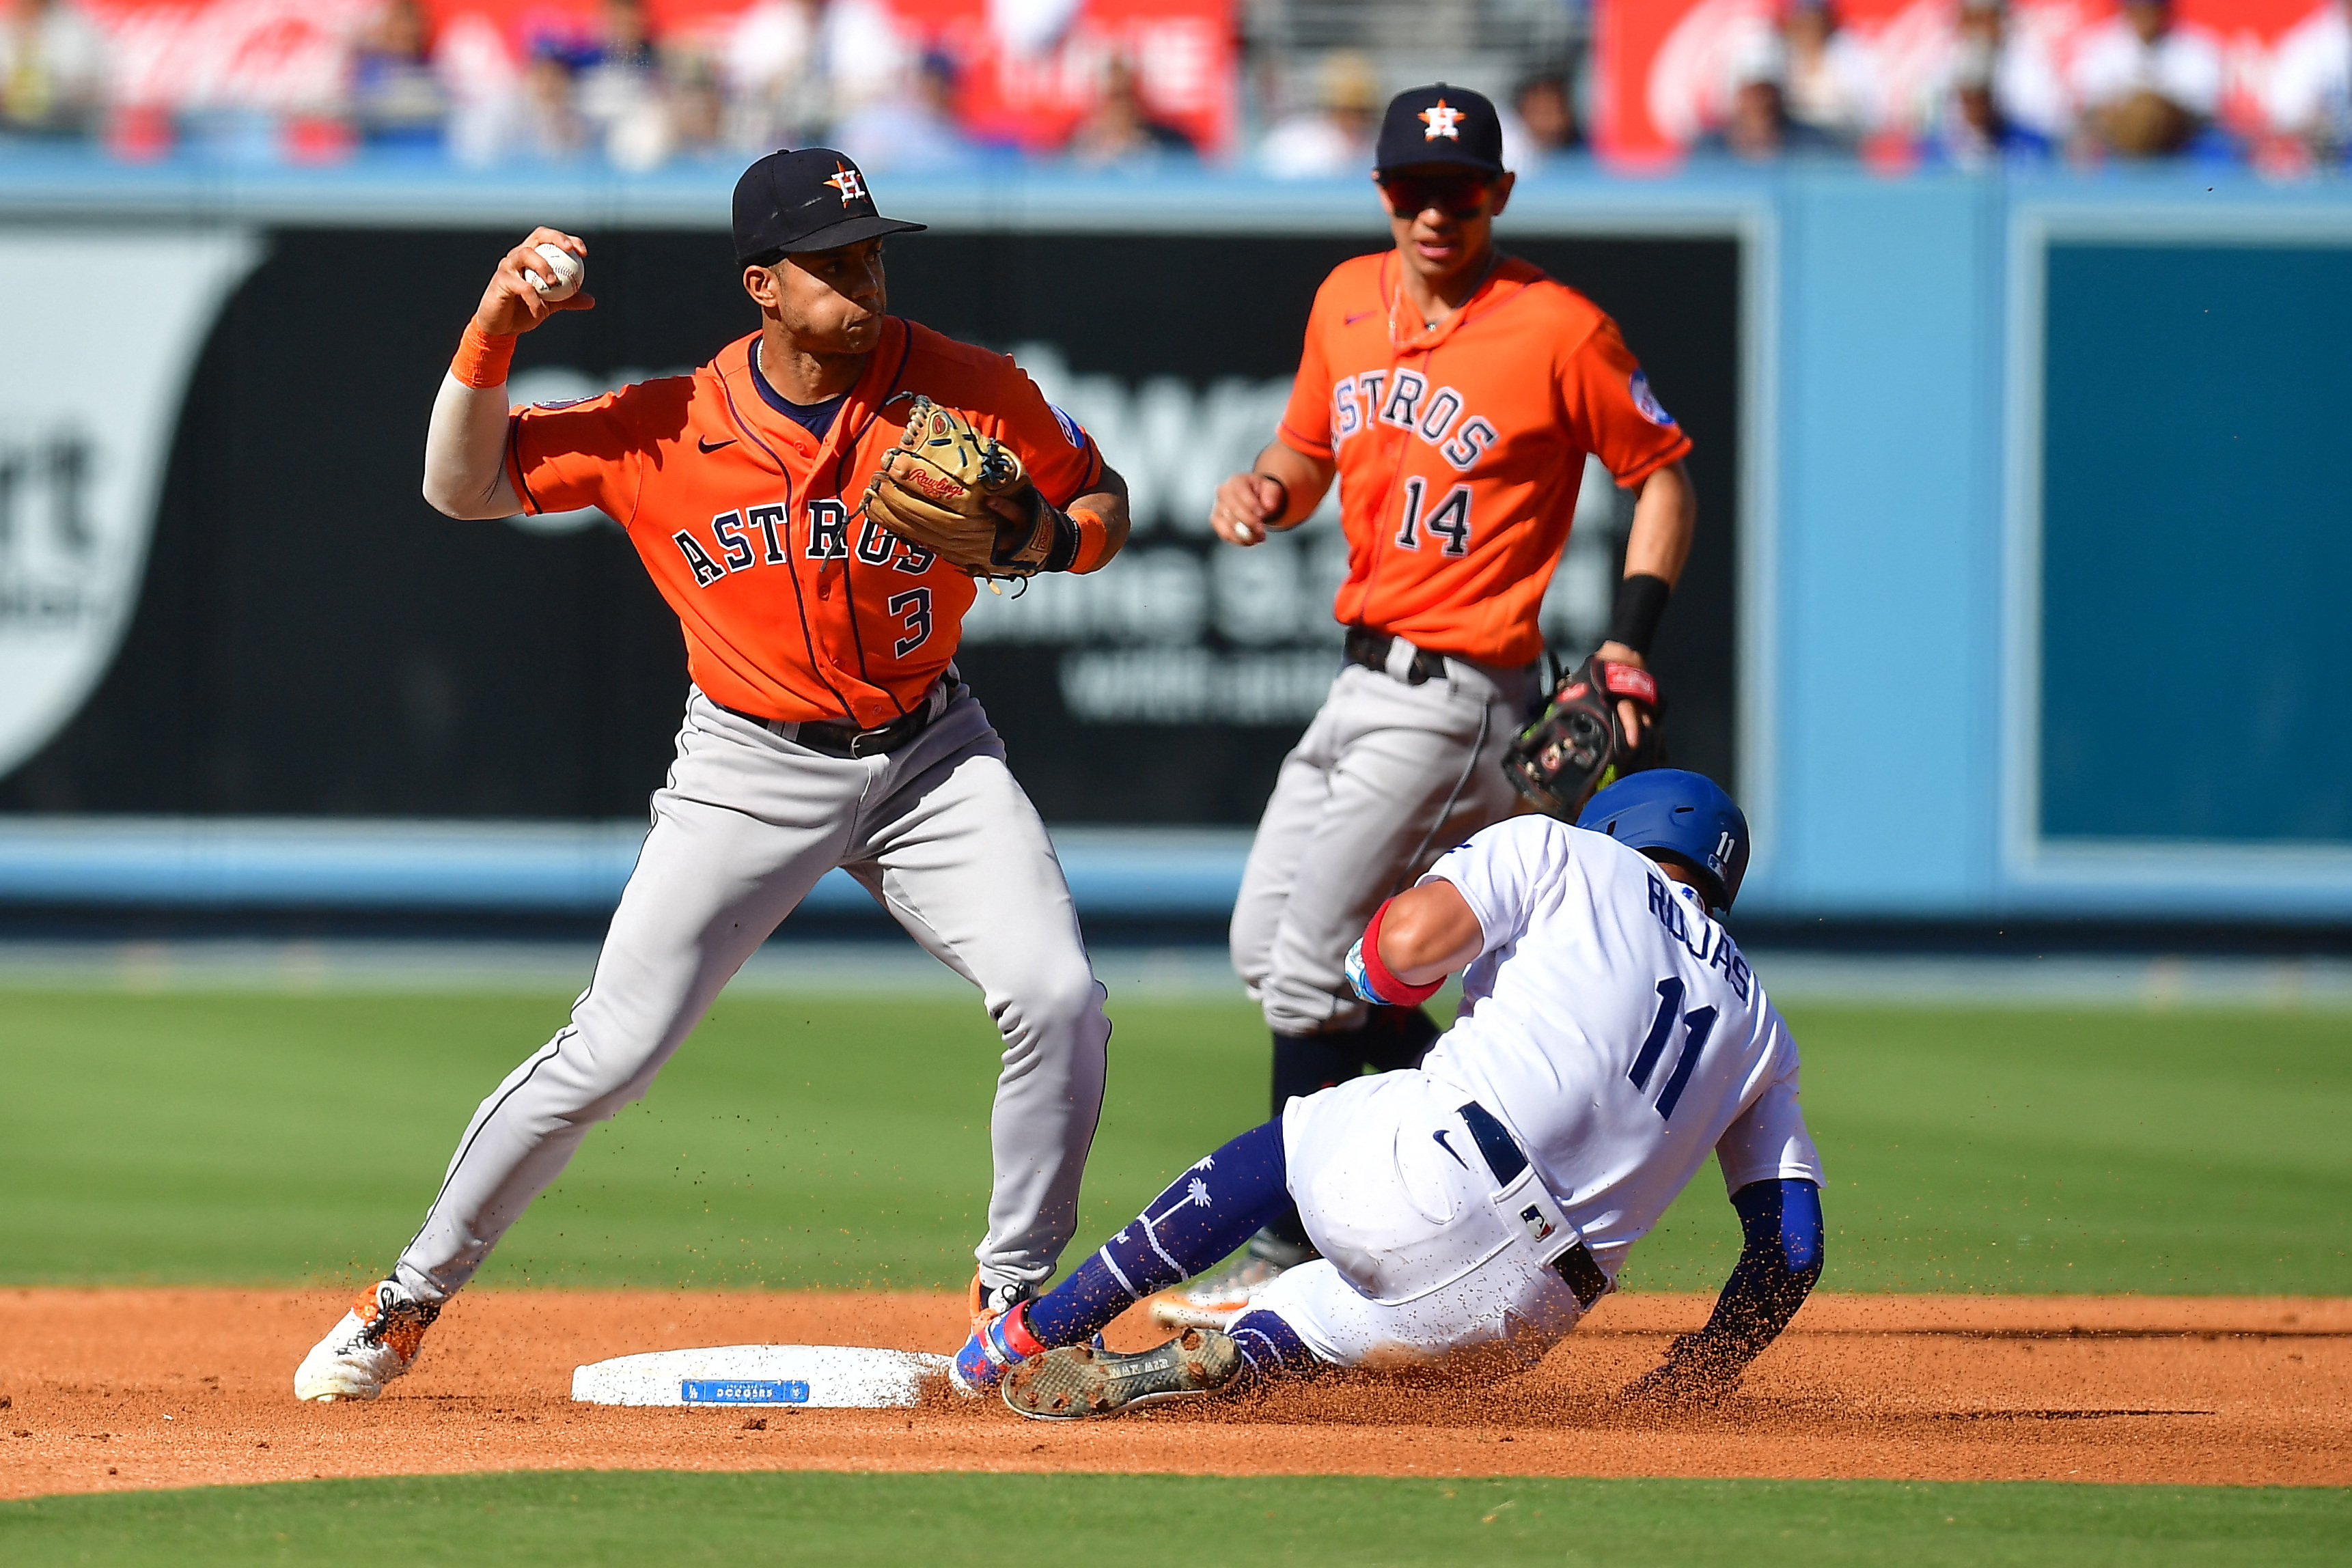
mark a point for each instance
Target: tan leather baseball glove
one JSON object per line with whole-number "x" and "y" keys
{"x": 932, "y": 490}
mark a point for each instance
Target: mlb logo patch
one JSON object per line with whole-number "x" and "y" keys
{"x": 1647, "y": 402}
{"x": 1538, "y": 1228}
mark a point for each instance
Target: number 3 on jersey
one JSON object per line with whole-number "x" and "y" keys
{"x": 1450, "y": 521}
{"x": 915, "y": 607}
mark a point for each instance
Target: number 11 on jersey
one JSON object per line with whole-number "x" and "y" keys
{"x": 1697, "y": 1026}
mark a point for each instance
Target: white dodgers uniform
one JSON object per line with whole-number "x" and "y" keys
{"x": 1612, "y": 1030}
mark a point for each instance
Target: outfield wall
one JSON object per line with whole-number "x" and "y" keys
{"x": 241, "y": 664}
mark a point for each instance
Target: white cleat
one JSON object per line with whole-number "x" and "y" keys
{"x": 379, "y": 1339}
{"x": 1214, "y": 1300}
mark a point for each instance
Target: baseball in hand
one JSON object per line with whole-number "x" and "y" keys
{"x": 565, "y": 272}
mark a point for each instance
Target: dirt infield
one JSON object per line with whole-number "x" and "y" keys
{"x": 104, "y": 1390}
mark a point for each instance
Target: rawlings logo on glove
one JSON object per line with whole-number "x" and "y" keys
{"x": 1578, "y": 746}
{"x": 937, "y": 486}
{"x": 935, "y": 490}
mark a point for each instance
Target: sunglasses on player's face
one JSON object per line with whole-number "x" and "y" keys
{"x": 1457, "y": 195}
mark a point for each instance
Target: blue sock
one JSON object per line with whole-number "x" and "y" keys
{"x": 1271, "y": 1349}
{"x": 1206, "y": 1213}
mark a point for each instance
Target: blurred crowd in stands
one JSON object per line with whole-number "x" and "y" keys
{"x": 600, "y": 80}
{"x": 2142, "y": 85}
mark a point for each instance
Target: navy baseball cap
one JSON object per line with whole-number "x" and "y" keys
{"x": 810, "y": 199}
{"x": 1439, "y": 124}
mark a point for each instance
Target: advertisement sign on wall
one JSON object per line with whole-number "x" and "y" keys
{"x": 311, "y": 639}
{"x": 87, "y": 412}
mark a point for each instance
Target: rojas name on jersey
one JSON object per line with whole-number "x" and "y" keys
{"x": 1702, "y": 939}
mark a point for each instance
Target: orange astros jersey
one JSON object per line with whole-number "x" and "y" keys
{"x": 792, "y": 608}
{"x": 1461, "y": 447}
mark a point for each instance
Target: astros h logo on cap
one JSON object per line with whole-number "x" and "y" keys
{"x": 1439, "y": 124}
{"x": 849, "y": 183}
{"x": 813, "y": 198}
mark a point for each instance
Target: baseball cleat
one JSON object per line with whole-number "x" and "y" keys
{"x": 987, "y": 1302}
{"x": 972, "y": 1374}
{"x": 1000, "y": 1337}
{"x": 1212, "y": 1300}
{"x": 1078, "y": 1380}
{"x": 379, "y": 1339}
{"x": 987, "y": 1354}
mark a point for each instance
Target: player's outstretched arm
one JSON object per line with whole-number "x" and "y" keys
{"x": 466, "y": 442}
{"x": 1281, "y": 490}
{"x": 1665, "y": 519}
{"x": 1779, "y": 1261}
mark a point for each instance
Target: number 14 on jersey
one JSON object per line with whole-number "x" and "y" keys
{"x": 1450, "y": 522}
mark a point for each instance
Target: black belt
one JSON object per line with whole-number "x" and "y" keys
{"x": 1505, "y": 1159}
{"x": 1371, "y": 649}
{"x": 845, "y": 739}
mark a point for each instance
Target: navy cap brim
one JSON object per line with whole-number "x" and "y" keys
{"x": 849, "y": 231}
{"x": 1448, "y": 158}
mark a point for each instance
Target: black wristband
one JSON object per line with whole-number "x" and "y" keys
{"x": 1283, "y": 511}
{"x": 1641, "y": 600}
{"x": 1065, "y": 539}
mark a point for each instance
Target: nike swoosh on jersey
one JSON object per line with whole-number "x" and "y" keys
{"x": 1439, "y": 1136}
{"x": 710, "y": 447}
{"x": 1356, "y": 317}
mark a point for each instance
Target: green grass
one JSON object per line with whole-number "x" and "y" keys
{"x": 202, "y": 1136}
{"x": 1134, "y": 1522}
{"x": 2097, "y": 1149}
{"x": 817, "y": 1143}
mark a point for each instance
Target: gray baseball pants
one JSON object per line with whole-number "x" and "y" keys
{"x": 1387, "y": 778}
{"x": 943, "y": 838}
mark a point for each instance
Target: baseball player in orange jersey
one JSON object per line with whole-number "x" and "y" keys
{"x": 826, "y": 725}
{"x": 1454, "y": 392}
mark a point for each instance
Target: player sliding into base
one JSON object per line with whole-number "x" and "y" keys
{"x": 815, "y": 507}
{"x": 1454, "y": 392}
{"x": 1611, "y": 1036}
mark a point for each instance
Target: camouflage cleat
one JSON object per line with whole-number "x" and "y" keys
{"x": 1078, "y": 1380}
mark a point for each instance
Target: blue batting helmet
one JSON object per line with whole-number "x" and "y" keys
{"x": 1687, "y": 815}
